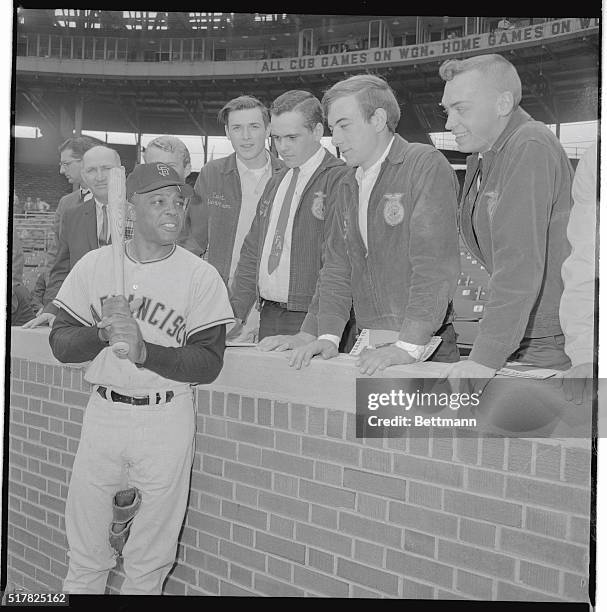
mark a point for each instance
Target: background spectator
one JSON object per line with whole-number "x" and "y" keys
{"x": 41, "y": 205}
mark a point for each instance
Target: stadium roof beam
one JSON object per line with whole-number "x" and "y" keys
{"x": 125, "y": 105}
{"x": 532, "y": 88}
{"x": 553, "y": 56}
{"x": 37, "y": 103}
{"x": 183, "y": 104}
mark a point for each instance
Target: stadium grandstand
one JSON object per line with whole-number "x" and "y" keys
{"x": 142, "y": 73}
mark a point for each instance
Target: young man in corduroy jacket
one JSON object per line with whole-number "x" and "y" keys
{"x": 283, "y": 252}
{"x": 393, "y": 247}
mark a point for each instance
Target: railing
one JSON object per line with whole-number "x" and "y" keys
{"x": 310, "y": 41}
{"x": 35, "y": 230}
{"x": 378, "y": 33}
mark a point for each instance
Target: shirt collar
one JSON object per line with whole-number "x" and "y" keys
{"x": 313, "y": 162}
{"x": 360, "y": 173}
{"x": 242, "y": 168}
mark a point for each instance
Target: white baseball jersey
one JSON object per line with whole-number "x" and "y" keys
{"x": 181, "y": 295}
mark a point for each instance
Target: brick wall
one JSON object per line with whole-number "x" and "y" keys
{"x": 285, "y": 501}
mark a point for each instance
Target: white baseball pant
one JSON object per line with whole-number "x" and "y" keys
{"x": 155, "y": 445}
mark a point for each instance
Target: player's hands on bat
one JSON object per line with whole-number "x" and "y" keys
{"x": 116, "y": 304}
{"x": 45, "y": 318}
{"x": 126, "y": 329}
{"x": 285, "y": 342}
{"x": 119, "y": 325}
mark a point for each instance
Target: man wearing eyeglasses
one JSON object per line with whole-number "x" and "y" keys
{"x": 82, "y": 227}
{"x": 71, "y": 152}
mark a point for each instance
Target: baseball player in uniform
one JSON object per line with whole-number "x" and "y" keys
{"x": 139, "y": 424}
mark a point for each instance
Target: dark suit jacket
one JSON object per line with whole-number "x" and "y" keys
{"x": 77, "y": 236}
{"x": 71, "y": 200}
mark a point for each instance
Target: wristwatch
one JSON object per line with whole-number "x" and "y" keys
{"x": 415, "y": 350}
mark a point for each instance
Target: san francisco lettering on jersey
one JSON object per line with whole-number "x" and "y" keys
{"x": 155, "y": 313}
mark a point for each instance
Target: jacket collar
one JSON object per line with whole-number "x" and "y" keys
{"x": 328, "y": 161}
{"x": 518, "y": 118}
{"x": 395, "y": 156}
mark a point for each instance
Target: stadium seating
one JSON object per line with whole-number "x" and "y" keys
{"x": 42, "y": 181}
{"x": 35, "y": 232}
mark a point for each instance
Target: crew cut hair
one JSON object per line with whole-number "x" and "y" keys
{"x": 170, "y": 144}
{"x": 496, "y": 70}
{"x": 243, "y": 103}
{"x": 302, "y": 102}
{"x": 79, "y": 145}
{"x": 372, "y": 92}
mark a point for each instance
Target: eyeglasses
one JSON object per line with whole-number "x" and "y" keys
{"x": 64, "y": 164}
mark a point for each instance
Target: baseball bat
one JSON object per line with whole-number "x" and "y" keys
{"x": 116, "y": 209}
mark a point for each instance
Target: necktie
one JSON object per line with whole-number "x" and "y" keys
{"x": 103, "y": 236}
{"x": 281, "y": 226}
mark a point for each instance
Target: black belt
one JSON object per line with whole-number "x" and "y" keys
{"x": 282, "y": 305}
{"x": 135, "y": 401}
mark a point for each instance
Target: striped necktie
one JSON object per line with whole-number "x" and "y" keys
{"x": 281, "y": 225}
{"x": 103, "y": 237}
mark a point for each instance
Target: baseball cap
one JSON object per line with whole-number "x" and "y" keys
{"x": 149, "y": 177}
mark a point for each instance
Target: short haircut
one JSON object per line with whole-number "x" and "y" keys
{"x": 102, "y": 146}
{"x": 170, "y": 144}
{"x": 301, "y": 101}
{"x": 495, "y": 69}
{"x": 79, "y": 145}
{"x": 243, "y": 103}
{"x": 371, "y": 92}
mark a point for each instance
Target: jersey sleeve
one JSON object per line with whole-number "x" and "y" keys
{"x": 73, "y": 296}
{"x": 209, "y": 305}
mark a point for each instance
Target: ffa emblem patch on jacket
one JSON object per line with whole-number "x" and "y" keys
{"x": 318, "y": 205}
{"x": 394, "y": 211}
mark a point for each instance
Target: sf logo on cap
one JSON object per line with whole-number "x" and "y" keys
{"x": 162, "y": 170}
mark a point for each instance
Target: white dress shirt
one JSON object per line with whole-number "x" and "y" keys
{"x": 252, "y": 184}
{"x": 366, "y": 180}
{"x": 275, "y": 286}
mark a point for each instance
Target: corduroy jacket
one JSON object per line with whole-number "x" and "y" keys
{"x": 310, "y": 227}
{"x": 518, "y": 230}
{"x": 218, "y": 185}
{"x": 406, "y": 279}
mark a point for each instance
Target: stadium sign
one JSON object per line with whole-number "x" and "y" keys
{"x": 495, "y": 41}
